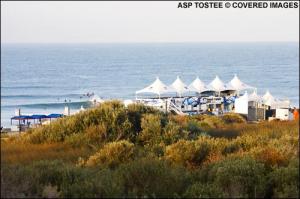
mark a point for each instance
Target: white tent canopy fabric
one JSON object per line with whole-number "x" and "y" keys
{"x": 253, "y": 97}
{"x": 157, "y": 87}
{"x": 241, "y": 104}
{"x": 237, "y": 84}
{"x": 179, "y": 86}
{"x": 276, "y": 103}
{"x": 281, "y": 104}
{"x": 269, "y": 100}
{"x": 217, "y": 85}
{"x": 198, "y": 86}
{"x": 267, "y": 97}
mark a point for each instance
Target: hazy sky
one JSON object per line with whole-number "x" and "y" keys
{"x": 142, "y": 22}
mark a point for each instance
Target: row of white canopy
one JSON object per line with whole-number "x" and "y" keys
{"x": 179, "y": 87}
{"x": 267, "y": 99}
{"x": 241, "y": 103}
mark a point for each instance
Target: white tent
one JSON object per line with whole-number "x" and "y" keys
{"x": 157, "y": 87}
{"x": 237, "y": 84}
{"x": 253, "y": 97}
{"x": 276, "y": 103}
{"x": 217, "y": 85}
{"x": 179, "y": 86}
{"x": 267, "y": 97}
{"x": 241, "y": 104}
{"x": 269, "y": 100}
{"x": 198, "y": 86}
{"x": 281, "y": 104}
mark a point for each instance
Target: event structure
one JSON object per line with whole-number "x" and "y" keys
{"x": 214, "y": 98}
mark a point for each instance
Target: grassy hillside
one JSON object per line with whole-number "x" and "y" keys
{"x": 113, "y": 151}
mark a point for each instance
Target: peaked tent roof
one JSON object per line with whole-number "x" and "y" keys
{"x": 267, "y": 96}
{"x": 179, "y": 86}
{"x": 270, "y": 101}
{"x": 254, "y": 97}
{"x": 217, "y": 85}
{"x": 281, "y": 104}
{"x": 157, "y": 87}
{"x": 198, "y": 86}
{"x": 237, "y": 84}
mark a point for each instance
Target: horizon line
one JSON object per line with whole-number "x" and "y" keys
{"x": 148, "y": 42}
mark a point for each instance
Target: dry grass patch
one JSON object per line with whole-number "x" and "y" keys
{"x": 15, "y": 152}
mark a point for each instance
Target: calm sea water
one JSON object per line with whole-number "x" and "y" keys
{"x": 38, "y": 77}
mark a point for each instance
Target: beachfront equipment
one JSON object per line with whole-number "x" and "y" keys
{"x": 237, "y": 85}
{"x": 198, "y": 86}
{"x": 179, "y": 87}
{"x": 217, "y": 85}
{"x": 157, "y": 87}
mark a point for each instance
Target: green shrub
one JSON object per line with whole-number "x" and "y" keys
{"x": 210, "y": 121}
{"x": 152, "y": 178}
{"x": 285, "y": 180}
{"x": 173, "y": 132}
{"x": 194, "y": 129}
{"x": 230, "y": 118}
{"x": 135, "y": 113}
{"x": 231, "y": 147}
{"x": 188, "y": 153}
{"x": 96, "y": 132}
{"x": 239, "y": 177}
{"x": 77, "y": 140}
{"x": 112, "y": 154}
{"x": 141, "y": 152}
{"x": 199, "y": 190}
{"x": 50, "y": 191}
{"x": 151, "y": 130}
{"x": 30, "y": 181}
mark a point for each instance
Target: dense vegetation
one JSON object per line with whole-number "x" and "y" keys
{"x": 113, "y": 151}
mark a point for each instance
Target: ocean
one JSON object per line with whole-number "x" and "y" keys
{"x": 39, "y": 78}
